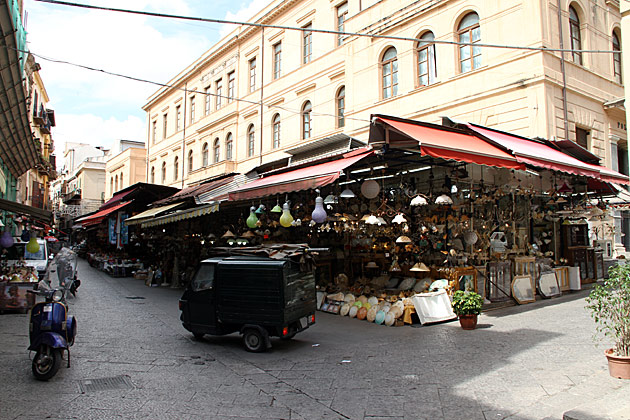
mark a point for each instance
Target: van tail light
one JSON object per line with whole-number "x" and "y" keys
{"x": 312, "y": 319}
{"x": 181, "y": 305}
{"x": 285, "y": 331}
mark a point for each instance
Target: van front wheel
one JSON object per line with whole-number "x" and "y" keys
{"x": 254, "y": 340}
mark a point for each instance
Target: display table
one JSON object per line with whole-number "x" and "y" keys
{"x": 433, "y": 307}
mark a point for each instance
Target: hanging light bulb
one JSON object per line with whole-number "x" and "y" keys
{"x": 6, "y": 240}
{"x": 331, "y": 199}
{"x": 25, "y": 236}
{"x": 252, "y": 220}
{"x": 319, "y": 214}
{"x": 32, "y": 246}
{"x": 286, "y": 219}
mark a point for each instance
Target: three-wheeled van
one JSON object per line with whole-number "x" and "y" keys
{"x": 256, "y": 296}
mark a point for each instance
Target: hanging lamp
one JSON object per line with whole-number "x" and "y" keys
{"x": 286, "y": 219}
{"x": 319, "y": 214}
{"x": 252, "y": 220}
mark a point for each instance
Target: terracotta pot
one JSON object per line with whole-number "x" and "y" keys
{"x": 618, "y": 366}
{"x": 468, "y": 322}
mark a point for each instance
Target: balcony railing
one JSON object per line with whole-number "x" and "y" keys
{"x": 72, "y": 195}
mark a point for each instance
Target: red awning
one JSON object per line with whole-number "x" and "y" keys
{"x": 100, "y": 215}
{"x": 117, "y": 198}
{"x": 537, "y": 154}
{"x": 310, "y": 177}
{"x": 445, "y": 143}
{"x": 608, "y": 175}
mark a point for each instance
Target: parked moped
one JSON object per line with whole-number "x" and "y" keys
{"x": 51, "y": 331}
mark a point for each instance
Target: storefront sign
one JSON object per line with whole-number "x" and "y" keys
{"x": 124, "y": 230}
{"x": 112, "y": 231}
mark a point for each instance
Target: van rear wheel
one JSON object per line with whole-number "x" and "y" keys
{"x": 254, "y": 340}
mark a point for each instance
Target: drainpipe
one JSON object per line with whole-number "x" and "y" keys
{"x": 148, "y": 145}
{"x": 184, "y": 133}
{"x": 262, "y": 84}
{"x": 564, "y": 76}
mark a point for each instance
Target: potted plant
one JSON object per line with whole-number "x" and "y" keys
{"x": 467, "y": 305}
{"x": 609, "y": 304}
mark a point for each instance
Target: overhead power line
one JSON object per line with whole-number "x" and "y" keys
{"x": 324, "y": 31}
{"x": 174, "y": 87}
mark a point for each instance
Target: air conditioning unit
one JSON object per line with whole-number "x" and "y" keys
{"x": 606, "y": 245}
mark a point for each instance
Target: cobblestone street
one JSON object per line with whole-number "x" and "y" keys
{"x": 530, "y": 362}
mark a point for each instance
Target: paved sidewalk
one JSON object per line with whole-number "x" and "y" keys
{"x": 528, "y": 362}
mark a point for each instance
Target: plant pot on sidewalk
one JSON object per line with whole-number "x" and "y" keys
{"x": 468, "y": 322}
{"x": 618, "y": 366}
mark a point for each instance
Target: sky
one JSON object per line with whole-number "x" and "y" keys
{"x": 96, "y": 108}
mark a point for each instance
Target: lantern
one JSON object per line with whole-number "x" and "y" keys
{"x": 32, "y": 246}
{"x": 252, "y": 220}
{"x": 286, "y": 219}
{"x": 319, "y": 214}
{"x": 6, "y": 240}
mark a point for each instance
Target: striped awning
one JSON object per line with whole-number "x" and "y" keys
{"x": 150, "y": 214}
{"x": 181, "y": 215}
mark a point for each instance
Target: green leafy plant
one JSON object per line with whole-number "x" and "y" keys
{"x": 467, "y": 303}
{"x": 609, "y": 304}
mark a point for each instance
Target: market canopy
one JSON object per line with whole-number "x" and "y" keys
{"x": 439, "y": 142}
{"x": 196, "y": 190}
{"x": 181, "y": 215}
{"x": 309, "y": 177}
{"x": 100, "y": 215}
{"x": 19, "y": 208}
{"x": 149, "y": 214}
{"x": 541, "y": 155}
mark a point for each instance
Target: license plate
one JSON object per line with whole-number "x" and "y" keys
{"x": 303, "y": 322}
{"x": 48, "y": 308}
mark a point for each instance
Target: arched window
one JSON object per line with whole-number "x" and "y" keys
{"x": 152, "y": 175}
{"x": 306, "y": 120}
{"x": 190, "y": 161}
{"x": 576, "y": 38}
{"x": 204, "y": 155}
{"x": 163, "y": 172}
{"x": 216, "y": 150}
{"x": 341, "y": 107}
{"x": 276, "y": 131}
{"x": 175, "y": 168}
{"x": 389, "y": 67}
{"x": 616, "y": 46}
{"x": 468, "y": 32}
{"x": 426, "y": 59}
{"x": 229, "y": 146}
{"x": 111, "y": 184}
{"x": 116, "y": 183}
{"x": 250, "y": 140}
{"x": 121, "y": 181}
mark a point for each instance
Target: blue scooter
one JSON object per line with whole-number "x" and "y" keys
{"x": 51, "y": 331}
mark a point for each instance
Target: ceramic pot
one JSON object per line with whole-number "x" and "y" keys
{"x": 468, "y": 322}
{"x": 618, "y": 366}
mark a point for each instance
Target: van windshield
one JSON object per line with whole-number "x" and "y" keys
{"x": 204, "y": 279}
{"x": 18, "y": 251}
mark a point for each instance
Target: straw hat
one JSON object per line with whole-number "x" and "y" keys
{"x": 349, "y": 298}
{"x": 353, "y": 311}
{"x": 373, "y": 300}
{"x": 362, "y": 299}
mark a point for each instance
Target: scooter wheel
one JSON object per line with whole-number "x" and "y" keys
{"x": 46, "y": 363}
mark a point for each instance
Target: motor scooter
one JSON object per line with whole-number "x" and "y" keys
{"x": 51, "y": 331}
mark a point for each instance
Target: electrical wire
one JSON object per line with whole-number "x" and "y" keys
{"x": 324, "y": 31}
{"x": 166, "y": 85}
